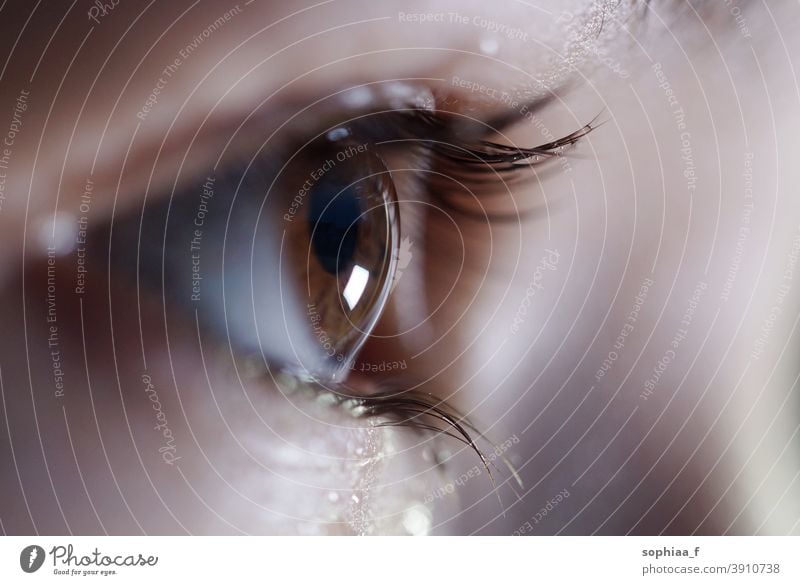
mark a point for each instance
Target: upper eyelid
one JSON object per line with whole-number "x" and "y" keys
{"x": 243, "y": 129}
{"x": 195, "y": 149}
{"x": 329, "y": 110}
{"x": 394, "y": 98}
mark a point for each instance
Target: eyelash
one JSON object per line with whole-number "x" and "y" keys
{"x": 458, "y": 150}
{"x": 489, "y": 157}
{"x": 416, "y": 410}
{"x": 441, "y": 137}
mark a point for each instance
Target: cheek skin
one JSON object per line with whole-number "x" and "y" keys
{"x": 189, "y": 443}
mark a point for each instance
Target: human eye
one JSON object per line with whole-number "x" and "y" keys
{"x": 286, "y": 250}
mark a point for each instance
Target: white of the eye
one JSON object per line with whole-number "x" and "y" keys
{"x": 355, "y": 285}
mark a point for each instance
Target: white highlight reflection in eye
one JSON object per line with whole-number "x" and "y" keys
{"x": 355, "y": 286}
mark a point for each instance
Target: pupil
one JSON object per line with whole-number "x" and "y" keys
{"x": 333, "y": 224}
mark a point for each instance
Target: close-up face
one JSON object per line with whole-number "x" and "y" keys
{"x": 429, "y": 267}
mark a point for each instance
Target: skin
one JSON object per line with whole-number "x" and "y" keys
{"x": 710, "y": 448}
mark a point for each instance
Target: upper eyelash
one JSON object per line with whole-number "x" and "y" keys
{"x": 458, "y": 150}
{"x": 444, "y": 135}
{"x": 458, "y": 146}
{"x": 491, "y": 157}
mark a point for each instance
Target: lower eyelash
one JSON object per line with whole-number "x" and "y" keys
{"x": 420, "y": 411}
{"x": 390, "y": 405}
